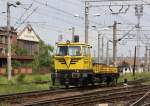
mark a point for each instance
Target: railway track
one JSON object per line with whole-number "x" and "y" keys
{"x": 90, "y": 98}
{"x": 51, "y": 94}
{"x": 144, "y": 100}
{"x": 20, "y": 97}
{"x": 27, "y": 96}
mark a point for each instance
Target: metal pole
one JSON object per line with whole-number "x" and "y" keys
{"x": 73, "y": 33}
{"x": 114, "y": 42}
{"x": 138, "y": 42}
{"x": 134, "y": 62}
{"x": 146, "y": 59}
{"x": 102, "y": 47}
{"x": 107, "y": 53}
{"x": 86, "y": 21}
{"x": 149, "y": 61}
{"x": 9, "y": 43}
{"x": 99, "y": 47}
{"x": 138, "y": 13}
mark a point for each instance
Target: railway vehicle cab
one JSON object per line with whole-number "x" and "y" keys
{"x": 73, "y": 63}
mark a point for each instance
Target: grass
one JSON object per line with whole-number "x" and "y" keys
{"x": 130, "y": 77}
{"x": 8, "y": 89}
{"x": 24, "y": 83}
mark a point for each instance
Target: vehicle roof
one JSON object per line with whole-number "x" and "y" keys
{"x": 71, "y": 43}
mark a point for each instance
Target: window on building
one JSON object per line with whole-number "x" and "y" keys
{"x": 1, "y": 39}
{"x": 1, "y": 50}
{"x": 6, "y": 40}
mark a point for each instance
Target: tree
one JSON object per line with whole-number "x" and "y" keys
{"x": 44, "y": 57}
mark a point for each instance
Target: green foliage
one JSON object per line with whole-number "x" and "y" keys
{"x": 18, "y": 51}
{"x": 3, "y": 80}
{"x": 19, "y": 88}
{"x": 38, "y": 78}
{"x": 43, "y": 57}
{"x": 21, "y": 51}
{"x": 20, "y": 78}
{"x": 45, "y": 54}
{"x": 16, "y": 64}
{"x": 25, "y": 84}
{"x": 129, "y": 76}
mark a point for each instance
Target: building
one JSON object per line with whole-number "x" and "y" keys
{"x": 127, "y": 64}
{"x": 3, "y": 39}
{"x": 28, "y": 40}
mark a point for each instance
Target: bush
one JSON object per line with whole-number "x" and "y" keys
{"x": 20, "y": 78}
{"x": 38, "y": 78}
{"x": 16, "y": 64}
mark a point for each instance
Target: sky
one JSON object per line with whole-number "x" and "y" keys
{"x": 51, "y": 18}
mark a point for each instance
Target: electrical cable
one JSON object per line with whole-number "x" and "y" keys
{"x": 26, "y": 18}
{"x": 20, "y": 18}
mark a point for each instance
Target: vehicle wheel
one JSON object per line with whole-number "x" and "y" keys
{"x": 108, "y": 81}
{"x": 67, "y": 86}
{"x": 114, "y": 82}
{"x": 92, "y": 83}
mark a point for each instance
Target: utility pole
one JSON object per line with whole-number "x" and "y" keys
{"x": 107, "y": 53}
{"x": 9, "y": 39}
{"x": 146, "y": 64}
{"x": 138, "y": 13}
{"x": 9, "y": 43}
{"x": 149, "y": 61}
{"x": 102, "y": 48}
{"x": 86, "y": 21}
{"x": 73, "y": 33}
{"x": 114, "y": 42}
{"x": 134, "y": 62}
{"x": 99, "y": 47}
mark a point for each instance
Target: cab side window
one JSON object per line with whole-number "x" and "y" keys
{"x": 89, "y": 51}
{"x": 85, "y": 51}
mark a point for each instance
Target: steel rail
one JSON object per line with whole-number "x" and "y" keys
{"x": 139, "y": 101}
{"x": 80, "y": 98}
{"x": 18, "y": 97}
{"x": 116, "y": 96}
{"x": 28, "y": 96}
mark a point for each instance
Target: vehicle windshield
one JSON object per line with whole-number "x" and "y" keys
{"x": 74, "y": 51}
{"x": 68, "y": 50}
{"x": 62, "y": 50}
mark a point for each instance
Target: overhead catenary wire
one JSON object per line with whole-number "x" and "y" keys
{"x": 45, "y": 14}
{"x": 74, "y": 2}
{"x": 26, "y": 10}
{"x": 63, "y": 11}
{"x": 57, "y": 9}
{"x": 59, "y": 19}
{"x": 26, "y": 18}
{"x": 53, "y": 16}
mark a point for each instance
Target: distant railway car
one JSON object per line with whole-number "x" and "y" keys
{"x": 74, "y": 66}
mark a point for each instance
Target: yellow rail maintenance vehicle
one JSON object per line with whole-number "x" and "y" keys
{"x": 74, "y": 66}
